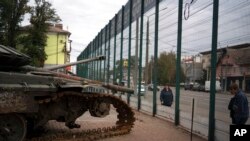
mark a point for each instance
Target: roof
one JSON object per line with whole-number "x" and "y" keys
{"x": 240, "y": 46}
{"x": 52, "y": 28}
{"x": 58, "y": 30}
{"x": 236, "y": 56}
{"x": 240, "y": 56}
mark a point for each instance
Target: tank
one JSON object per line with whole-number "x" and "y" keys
{"x": 31, "y": 96}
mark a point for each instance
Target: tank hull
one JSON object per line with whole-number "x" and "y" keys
{"x": 30, "y": 97}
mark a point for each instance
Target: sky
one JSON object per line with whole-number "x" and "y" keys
{"x": 84, "y": 19}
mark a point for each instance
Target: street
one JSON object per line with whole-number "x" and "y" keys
{"x": 201, "y": 110}
{"x": 201, "y": 102}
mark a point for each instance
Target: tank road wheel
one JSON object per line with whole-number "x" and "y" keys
{"x": 99, "y": 108}
{"x": 12, "y": 127}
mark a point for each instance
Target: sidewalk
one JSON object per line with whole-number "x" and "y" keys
{"x": 148, "y": 128}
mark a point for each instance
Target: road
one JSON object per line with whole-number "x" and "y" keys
{"x": 201, "y": 103}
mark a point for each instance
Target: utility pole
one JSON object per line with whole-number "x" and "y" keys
{"x": 147, "y": 48}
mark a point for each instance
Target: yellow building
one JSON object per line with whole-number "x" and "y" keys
{"x": 58, "y": 46}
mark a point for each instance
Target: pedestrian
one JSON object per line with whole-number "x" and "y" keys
{"x": 166, "y": 96}
{"x": 238, "y": 106}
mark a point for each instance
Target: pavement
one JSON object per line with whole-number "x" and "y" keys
{"x": 146, "y": 128}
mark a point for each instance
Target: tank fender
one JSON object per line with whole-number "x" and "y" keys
{"x": 71, "y": 86}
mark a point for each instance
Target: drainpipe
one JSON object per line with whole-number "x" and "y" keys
{"x": 57, "y": 37}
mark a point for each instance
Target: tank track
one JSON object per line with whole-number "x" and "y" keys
{"x": 124, "y": 124}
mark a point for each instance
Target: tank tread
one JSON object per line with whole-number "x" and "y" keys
{"x": 123, "y": 125}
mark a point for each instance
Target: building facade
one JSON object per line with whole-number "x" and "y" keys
{"x": 58, "y": 46}
{"x": 233, "y": 66}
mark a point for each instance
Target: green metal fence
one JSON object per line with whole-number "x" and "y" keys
{"x": 139, "y": 40}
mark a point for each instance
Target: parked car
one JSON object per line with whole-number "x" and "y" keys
{"x": 198, "y": 87}
{"x": 142, "y": 91}
{"x": 202, "y": 87}
{"x": 151, "y": 87}
{"x": 182, "y": 84}
{"x": 217, "y": 86}
{"x": 124, "y": 83}
{"x": 188, "y": 86}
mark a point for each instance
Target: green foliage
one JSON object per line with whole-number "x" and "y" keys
{"x": 133, "y": 61}
{"x": 203, "y": 77}
{"x": 11, "y": 14}
{"x": 166, "y": 66}
{"x": 42, "y": 15}
{"x": 117, "y": 66}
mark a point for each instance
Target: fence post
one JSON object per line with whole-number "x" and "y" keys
{"x": 213, "y": 71}
{"x": 178, "y": 65}
{"x": 129, "y": 46}
{"x": 155, "y": 57}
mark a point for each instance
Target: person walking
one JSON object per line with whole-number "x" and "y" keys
{"x": 166, "y": 96}
{"x": 238, "y": 106}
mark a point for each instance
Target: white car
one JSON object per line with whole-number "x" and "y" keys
{"x": 151, "y": 87}
{"x": 217, "y": 86}
{"x": 142, "y": 91}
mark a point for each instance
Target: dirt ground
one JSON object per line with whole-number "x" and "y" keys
{"x": 146, "y": 128}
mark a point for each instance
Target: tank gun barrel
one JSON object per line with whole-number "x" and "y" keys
{"x": 66, "y": 76}
{"x": 102, "y": 57}
{"x": 50, "y": 69}
{"x": 77, "y": 78}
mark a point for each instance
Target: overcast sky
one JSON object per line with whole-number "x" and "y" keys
{"x": 84, "y": 19}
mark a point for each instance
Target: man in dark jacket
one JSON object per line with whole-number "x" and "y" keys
{"x": 238, "y": 106}
{"x": 166, "y": 96}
